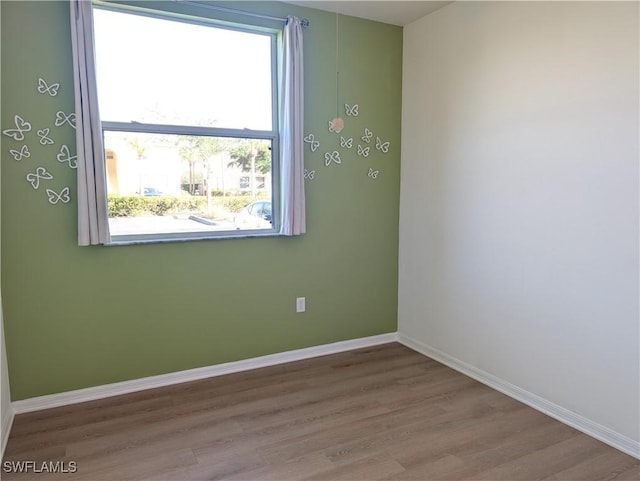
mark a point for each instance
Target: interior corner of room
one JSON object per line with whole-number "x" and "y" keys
{"x": 498, "y": 234}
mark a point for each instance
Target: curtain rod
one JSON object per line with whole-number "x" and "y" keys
{"x": 304, "y": 21}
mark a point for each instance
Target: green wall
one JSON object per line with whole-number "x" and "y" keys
{"x": 77, "y": 317}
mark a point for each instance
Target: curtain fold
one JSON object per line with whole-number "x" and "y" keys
{"x": 93, "y": 222}
{"x": 292, "y": 202}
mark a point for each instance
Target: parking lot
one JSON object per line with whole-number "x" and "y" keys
{"x": 164, "y": 224}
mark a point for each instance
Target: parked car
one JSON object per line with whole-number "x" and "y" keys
{"x": 256, "y": 215}
{"x": 149, "y": 191}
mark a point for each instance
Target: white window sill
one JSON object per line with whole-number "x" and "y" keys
{"x": 119, "y": 241}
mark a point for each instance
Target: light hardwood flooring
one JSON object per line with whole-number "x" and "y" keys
{"x": 383, "y": 413}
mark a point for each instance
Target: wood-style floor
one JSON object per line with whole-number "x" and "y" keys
{"x": 383, "y": 413}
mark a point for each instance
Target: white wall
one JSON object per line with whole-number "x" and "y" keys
{"x": 6, "y": 411}
{"x": 519, "y": 245}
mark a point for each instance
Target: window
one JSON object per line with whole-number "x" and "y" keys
{"x": 190, "y": 126}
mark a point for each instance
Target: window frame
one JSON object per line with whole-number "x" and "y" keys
{"x": 272, "y": 135}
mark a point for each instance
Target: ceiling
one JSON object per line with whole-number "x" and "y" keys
{"x": 393, "y": 12}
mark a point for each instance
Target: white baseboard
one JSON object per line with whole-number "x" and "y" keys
{"x": 591, "y": 428}
{"x": 126, "y": 387}
{"x": 7, "y": 422}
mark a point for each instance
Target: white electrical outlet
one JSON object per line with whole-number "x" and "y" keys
{"x": 300, "y": 304}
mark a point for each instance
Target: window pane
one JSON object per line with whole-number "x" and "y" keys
{"x": 161, "y": 71}
{"x": 164, "y": 184}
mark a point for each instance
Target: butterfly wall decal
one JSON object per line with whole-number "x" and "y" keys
{"x": 373, "y": 174}
{"x": 23, "y": 153}
{"x": 351, "y": 111}
{"x": 346, "y": 143}
{"x": 44, "y": 88}
{"x": 34, "y": 178}
{"x": 22, "y": 126}
{"x": 63, "y": 196}
{"x": 368, "y": 135}
{"x": 363, "y": 151}
{"x": 44, "y": 136}
{"x": 309, "y": 174}
{"x": 332, "y": 157}
{"x": 62, "y": 118}
{"x": 313, "y": 143}
{"x": 382, "y": 146}
{"x": 65, "y": 156}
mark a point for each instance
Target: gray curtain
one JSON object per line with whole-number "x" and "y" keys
{"x": 292, "y": 202}
{"x": 93, "y": 223}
